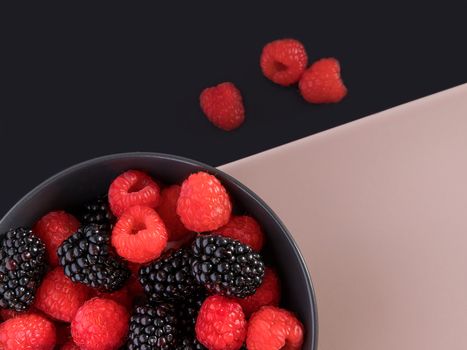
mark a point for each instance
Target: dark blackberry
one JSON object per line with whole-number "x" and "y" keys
{"x": 190, "y": 343}
{"x": 98, "y": 212}
{"x": 87, "y": 258}
{"x": 22, "y": 266}
{"x": 153, "y": 328}
{"x": 226, "y": 266}
{"x": 169, "y": 277}
{"x": 187, "y": 312}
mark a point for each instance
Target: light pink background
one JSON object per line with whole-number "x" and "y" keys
{"x": 379, "y": 209}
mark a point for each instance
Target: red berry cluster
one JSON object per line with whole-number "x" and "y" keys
{"x": 149, "y": 220}
{"x": 285, "y": 63}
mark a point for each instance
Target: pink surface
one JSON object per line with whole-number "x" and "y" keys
{"x": 379, "y": 209}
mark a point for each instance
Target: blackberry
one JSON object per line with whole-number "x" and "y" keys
{"x": 187, "y": 312}
{"x": 190, "y": 343}
{"x": 153, "y": 327}
{"x": 226, "y": 266}
{"x": 169, "y": 277}
{"x": 22, "y": 266}
{"x": 98, "y": 212}
{"x": 87, "y": 258}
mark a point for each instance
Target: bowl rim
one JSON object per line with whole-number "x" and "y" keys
{"x": 215, "y": 171}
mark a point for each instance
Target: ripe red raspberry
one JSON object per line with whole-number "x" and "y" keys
{"x": 70, "y": 345}
{"x": 26, "y": 332}
{"x": 322, "y": 83}
{"x": 59, "y": 297}
{"x": 268, "y": 293}
{"x": 244, "y": 229}
{"x": 221, "y": 324}
{"x": 204, "y": 204}
{"x": 223, "y": 106}
{"x": 168, "y": 212}
{"x": 284, "y": 61}
{"x": 53, "y": 229}
{"x": 100, "y": 324}
{"x": 133, "y": 187}
{"x": 139, "y": 235}
{"x": 121, "y": 296}
{"x": 272, "y": 328}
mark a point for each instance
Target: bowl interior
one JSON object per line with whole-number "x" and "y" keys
{"x": 85, "y": 181}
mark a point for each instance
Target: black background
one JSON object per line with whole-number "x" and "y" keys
{"x": 83, "y": 81}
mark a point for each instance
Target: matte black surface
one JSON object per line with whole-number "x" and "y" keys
{"x": 76, "y": 185}
{"x": 81, "y": 81}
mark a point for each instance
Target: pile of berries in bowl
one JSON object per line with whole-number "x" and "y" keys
{"x": 146, "y": 265}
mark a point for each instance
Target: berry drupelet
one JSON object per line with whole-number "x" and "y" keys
{"x": 22, "y": 266}
{"x": 226, "y": 266}
{"x": 87, "y": 258}
{"x": 153, "y": 327}
{"x": 169, "y": 277}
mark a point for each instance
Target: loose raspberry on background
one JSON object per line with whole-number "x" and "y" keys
{"x": 70, "y": 345}
{"x": 272, "y": 328}
{"x": 139, "y": 235}
{"x": 26, "y": 332}
{"x": 133, "y": 187}
{"x": 221, "y": 324}
{"x": 322, "y": 83}
{"x": 59, "y": 297}
{"x": 244, "y": 229}
{"x": 284, "y": 61}
{"x": 204, "y": 204}
{"x": 167, "y": 210}
{"x": 223, "y": 106}
{"x": 100, "y": 324}
{"x": 53, "y": 229}
{"x": 268, "y": 293}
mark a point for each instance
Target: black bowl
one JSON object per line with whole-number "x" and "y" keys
{"x": 85, "y": 181}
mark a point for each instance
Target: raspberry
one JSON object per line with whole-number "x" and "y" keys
{"x": 223, "y": 106}
{"x": 268, "y": 293}
{"x": 204, "y": 204}
{"x": 53, "y": 229}
{"x": 70, "y": 345}
{"x": 139, "y": 235}
{"x": 133, "y": 187}
{"x": 283, "y": 61}
{"x": 121, "y": 296}
{"x": 244, "y": 229}
{"x": 26, "y": 332}
{"x": 272, "y": 328}
{"x": 168, "y": 212}
{"x": 322, "y": 83}
{"x": 221, "y": 324}
{"x": 100, "y": 324}
{"x": 59, "y": 297}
